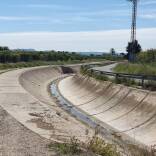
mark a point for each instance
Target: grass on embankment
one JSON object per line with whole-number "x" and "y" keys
{"x": 4, "y": 66}
{"x": 128, "y": 68}
{"x": 138, "y": 68}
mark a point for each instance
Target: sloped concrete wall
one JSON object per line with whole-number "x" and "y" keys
{"x": 129, "y": 110}
{"x": 24, "y": 95}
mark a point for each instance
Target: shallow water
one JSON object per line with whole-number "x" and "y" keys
{"x": 67, "y": 106}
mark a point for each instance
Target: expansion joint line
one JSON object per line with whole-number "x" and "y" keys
{"x": 112, "y": 106}
{"x": 138, "y": 126}
{"x": 109, "y": 98}
{"x": 95, "y": 97}
{"x": 132, "y": 108}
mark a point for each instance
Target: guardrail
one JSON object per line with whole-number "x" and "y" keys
{"x": 143, "y": 78}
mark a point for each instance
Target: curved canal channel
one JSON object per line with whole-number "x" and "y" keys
{"x": 69, "y": 107}
{"x": 108, "y": 132}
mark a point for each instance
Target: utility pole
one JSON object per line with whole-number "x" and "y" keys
{"x": 134, "y": 15}
{"x": 133, "y": 46}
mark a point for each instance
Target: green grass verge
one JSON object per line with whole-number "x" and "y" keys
{"x": 146, "y": 69}
{"x": 137, "y": 68}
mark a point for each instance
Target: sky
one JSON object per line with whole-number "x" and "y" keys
{"x": 75, "y": 25}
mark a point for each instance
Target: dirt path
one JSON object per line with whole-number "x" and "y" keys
{"x": 16, "y": 140}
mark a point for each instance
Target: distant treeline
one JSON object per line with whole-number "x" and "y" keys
{"x": 9, "y": 56}
{"x": 14, "y": 56}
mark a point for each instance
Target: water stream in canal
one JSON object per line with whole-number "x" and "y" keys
{"x": 70, "y": 108}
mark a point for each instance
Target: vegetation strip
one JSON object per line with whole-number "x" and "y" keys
{"x": 146, "y": 81}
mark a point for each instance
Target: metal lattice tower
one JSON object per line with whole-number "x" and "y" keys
{"x": 133, "y": 46}
{"x": 134, "y": 15}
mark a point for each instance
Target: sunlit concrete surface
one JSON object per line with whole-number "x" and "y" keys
{"x": 24, "y": 94}
{"x": 129, "y": 110}
{"x": 25, "y": 97}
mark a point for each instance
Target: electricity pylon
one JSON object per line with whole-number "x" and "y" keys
{"x": 133, "y": 46}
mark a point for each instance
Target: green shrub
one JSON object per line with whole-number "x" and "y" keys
{"x": 98, "y": 146}
{"x": 94, "y": 146}
{"x": 73, "y": 147}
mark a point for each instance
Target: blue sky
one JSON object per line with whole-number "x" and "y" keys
{"x": 38, "y": 17}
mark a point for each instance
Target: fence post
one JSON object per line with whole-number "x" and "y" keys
{"x": 142, "y": 83}
{"x": 116, "y": 77}
{"x": 92, "y": 72}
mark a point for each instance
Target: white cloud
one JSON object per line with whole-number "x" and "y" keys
{"x": 148, "y": 2}
{"x": 114, "y": 12}
{"x": 78, "y": 41}
{"x": 148, "y": 16}
{"x": 19, "y": 18}
{"x": 45, "y": 20}
{"x": 45, "y": 6}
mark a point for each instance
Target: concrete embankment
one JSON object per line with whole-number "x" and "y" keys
{"x": 130, "y": 111}
{"x": 25, "y": 96}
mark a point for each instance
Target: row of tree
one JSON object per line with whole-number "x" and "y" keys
{"x": 14, "y": 56}
{"x": 21, "y": 56}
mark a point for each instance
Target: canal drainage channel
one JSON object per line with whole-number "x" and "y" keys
{"x": 102, "y": 128}
{"x": 67, "y": 106}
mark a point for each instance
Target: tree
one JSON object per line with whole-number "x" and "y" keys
{"x": 133, "y": 49}
{"x": 4, "y": 48}
{"x": 112, "y": 51}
